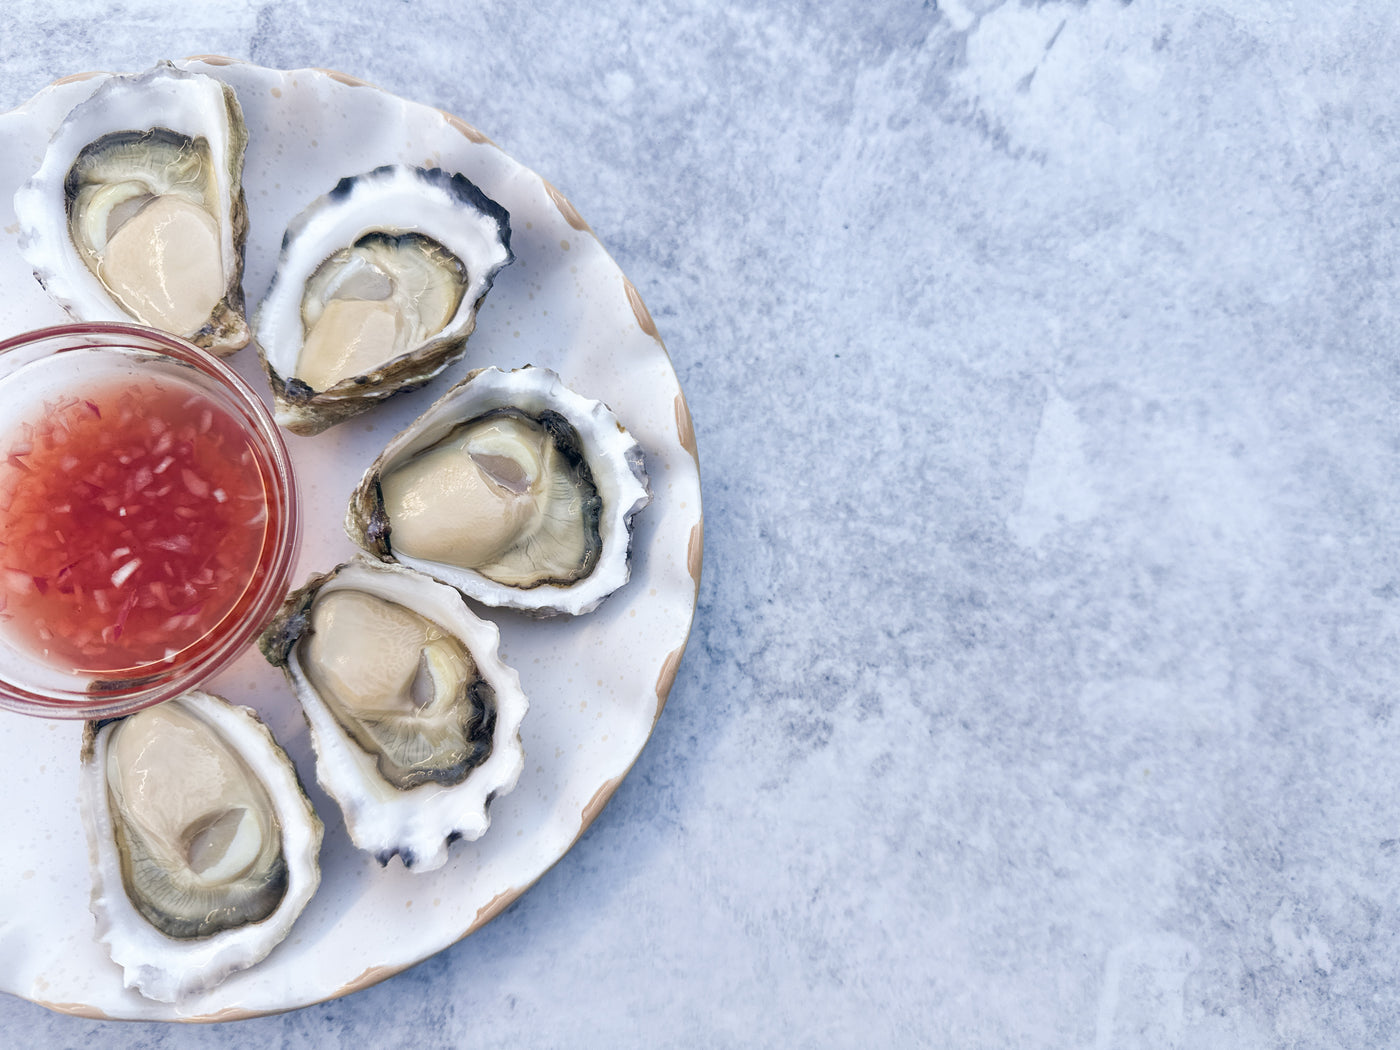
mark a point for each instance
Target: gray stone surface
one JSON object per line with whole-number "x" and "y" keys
{"x": 1042, "y": 691}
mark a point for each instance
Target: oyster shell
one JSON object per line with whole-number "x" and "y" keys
{"x": 376, "y": 291}
{"x": 414, "y": 718}
{"x": 137, "y": 212}
{"x": 204, "y": 846}
{"x": 512, "y": 488}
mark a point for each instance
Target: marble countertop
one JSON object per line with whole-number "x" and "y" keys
{"x": 1042, "y": 688}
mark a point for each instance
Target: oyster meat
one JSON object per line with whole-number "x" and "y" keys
{"x": 376, "y": 291}
{"x": 137, "y": 212}
{"x": 512, "y": 488}
{"x": 204, "y": 845}
{"x": 414, "y": 718}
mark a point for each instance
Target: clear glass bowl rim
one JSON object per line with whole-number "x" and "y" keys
{"x": 279, "y": 554}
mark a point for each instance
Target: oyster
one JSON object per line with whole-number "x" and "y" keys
{"x": 414, "y": 718}
{"x": 376, "y": 291}
{"x": 512, "y": 488}
{"x": 204, "y": 845}
{"x": 137, "y": 212}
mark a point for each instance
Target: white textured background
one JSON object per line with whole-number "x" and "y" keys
{"x": 1043, "y": 364}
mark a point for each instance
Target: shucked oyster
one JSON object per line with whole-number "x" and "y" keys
{"x": 415, "y": 720}
{"x": 137, "y": 213}
{"x": 512, "y": 488}
{"x": 204, "y": 846}
{"x": 376, "y": 291}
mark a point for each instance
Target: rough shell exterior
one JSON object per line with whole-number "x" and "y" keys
{"x": 418, "y": 824}
{"x": 156, "y": 965}
{"x": 187, "y": 103}
{"x": 445, "y": 206}
{"x": 613, "y": 456}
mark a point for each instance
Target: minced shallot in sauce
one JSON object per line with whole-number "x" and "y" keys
{"x": 132, "y": 520}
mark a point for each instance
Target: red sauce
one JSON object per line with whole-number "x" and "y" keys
{"x": 132, "y": 519}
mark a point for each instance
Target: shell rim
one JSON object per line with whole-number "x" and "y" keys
{"x": 507, "y": 760}
{"x": 306, "y": 411}
{"x": 301, "y": 844}
{"x": 613, "y": 454}
{"x": 80, "y": 294}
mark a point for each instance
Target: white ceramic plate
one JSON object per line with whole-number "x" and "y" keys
{"x": 596, "y": 684}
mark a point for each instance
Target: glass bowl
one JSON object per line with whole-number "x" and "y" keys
{"x": 148, "y": 519}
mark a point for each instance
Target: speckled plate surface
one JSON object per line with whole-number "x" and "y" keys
{"x": 596, "y": 684}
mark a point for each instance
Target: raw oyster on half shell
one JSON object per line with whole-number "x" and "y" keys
{"x": 376, "y": 291}
{"x": 137, "y": 212}
{"x": 414, "y": 718}
{"x": 204, "y": 846}
{"x": 512, "y": 488}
